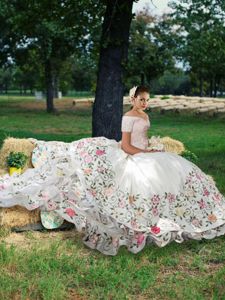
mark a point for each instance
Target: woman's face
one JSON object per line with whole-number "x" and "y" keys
{"x": 141, "y": 101}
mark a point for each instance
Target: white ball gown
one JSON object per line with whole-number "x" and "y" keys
{"x": 119, "y": 199}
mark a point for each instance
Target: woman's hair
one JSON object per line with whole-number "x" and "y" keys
{"x": 141, "y": 89}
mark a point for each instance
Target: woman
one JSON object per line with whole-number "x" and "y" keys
{"x": 120, "y": 195}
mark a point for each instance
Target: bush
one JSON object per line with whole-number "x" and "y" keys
{"x": 16, "y": 160}
{"x": 190, "y": 156}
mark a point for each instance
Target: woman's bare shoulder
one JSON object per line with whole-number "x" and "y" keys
{"x": 129, "y": 113}
{"x": 146, "y": 116}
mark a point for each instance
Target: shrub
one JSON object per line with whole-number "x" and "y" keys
{"x": 16, "y": 159}
{"x": 190, "y": 156}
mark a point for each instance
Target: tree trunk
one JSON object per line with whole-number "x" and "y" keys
{"x": 49, "y": 86}
{"x": 211, "y": 87}
{"x": 108, "y": 105}
{"x": 215, "y": 89}
{"x": 56, "y": 86}
{"x": 217, "y": 82}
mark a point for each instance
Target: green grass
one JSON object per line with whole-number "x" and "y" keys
{"x": 192, "y": 270}
{"x": 26, "y": 122}
{"x": 63, "y": 268}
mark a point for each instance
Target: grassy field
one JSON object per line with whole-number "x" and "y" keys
{"x": 56, "y": 265}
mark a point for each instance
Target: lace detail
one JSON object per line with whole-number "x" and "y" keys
{"x": 117, "y": 199}
{"x": 138, "y": 127}
{"x": 127, "y": 124}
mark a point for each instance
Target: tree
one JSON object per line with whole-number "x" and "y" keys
{"x": 108, "y": 105}
{"x": 176, "y": 83}
{"x": 83, "y": 73}
{"x": 56, "y": 30}
{"x": 151, "y": 51}
{"x": 6, "y": 78}
{"x": 201, "y": 29}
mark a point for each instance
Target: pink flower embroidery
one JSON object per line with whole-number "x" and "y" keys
{"x": 70, "y": 212}
{"x": 51, "y": 205}
{"x": 140, "y": 239}
{"x": 62, "y": 194}
{"x": 122, "y": 203}
{"x": 115, "y": 242}
{"x": 195, "y": 222}
{"x": 82, "y": 153}
{"x": 134, "y": 224}
{"x": 45, "y": 196}
{"x": 87, "y": 171}
{"x": 80, "y": 145}
{"x": 205, "y": 192}
{"x": 155, "y": 229}
{"x": 101, "y": 170}
{"x": 71, "y": 201}
{"x": 33, "y": 206}
{"x": 199, "y": 176}
{"x": 202, "y": 204}
{"x": 88, "y": 159}
{"x": 217, "y": 197}
{"x": 94, "y": 239}
{"x": 155, "y": 211}
{"x": 155, "y": 199}
{"x": 2, "y": 187}
{"x": 171, "y": 197}
{"x": 100, "y": 152}
{"x": 108, "y": 191}
{"x": 92, "y": 192}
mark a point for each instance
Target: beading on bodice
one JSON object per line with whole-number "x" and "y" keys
{"x": 138, "y": 127}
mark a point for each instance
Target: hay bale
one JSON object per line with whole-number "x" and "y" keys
{"x": 16, "y": 145}
{"x": 221, "y": 110}
{"x": 17, "y": 216}
{"x": 172, "y": 145}
{"x": 2, "y": 172}
{"x": 166, "y": 143}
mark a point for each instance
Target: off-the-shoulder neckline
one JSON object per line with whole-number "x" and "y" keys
{"x": 147, "y": 120}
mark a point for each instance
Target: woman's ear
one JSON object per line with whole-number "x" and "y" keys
{"x": 132, "y": 99}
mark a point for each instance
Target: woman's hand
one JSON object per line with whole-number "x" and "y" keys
{"x": 152, "y": 151}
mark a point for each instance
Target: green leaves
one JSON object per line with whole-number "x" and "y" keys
{"x": 150, "y": 48}
{"x": 16, "y": 159}
{"x": 201, "y": 34}
{"x": 190, "y": 156}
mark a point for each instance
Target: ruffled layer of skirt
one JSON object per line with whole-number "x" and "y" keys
{"x": 117, "y": 199}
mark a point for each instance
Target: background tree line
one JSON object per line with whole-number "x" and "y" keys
{"x": 178, "y": 53}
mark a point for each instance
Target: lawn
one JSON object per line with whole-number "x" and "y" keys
{"x": 56, "y": 265}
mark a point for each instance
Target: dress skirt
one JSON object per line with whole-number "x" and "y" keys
{"x": 118, "y": 199}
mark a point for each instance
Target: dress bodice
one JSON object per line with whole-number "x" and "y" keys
{"x": 138, "y": 127}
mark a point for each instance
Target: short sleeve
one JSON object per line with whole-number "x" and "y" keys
{"x": 127, "y": 124}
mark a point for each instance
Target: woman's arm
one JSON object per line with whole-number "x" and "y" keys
{"x": 126, "y": 144}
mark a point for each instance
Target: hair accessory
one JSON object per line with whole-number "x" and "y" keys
{"x": 132, "y": 93}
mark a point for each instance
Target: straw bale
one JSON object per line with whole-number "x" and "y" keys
{"x": 2, "y": 172}
{"x": 172, "y": 145}
{"x": 17, "y": 216}
{"x": 221, "y": 110}
{"x": 219, "y": 105}
{"x": 16, "y": 145}
{"x": 168, "y": 108}
{"x": 210, "y": 111}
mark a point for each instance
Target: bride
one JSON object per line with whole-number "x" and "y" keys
{"x": 120, "y": 193}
